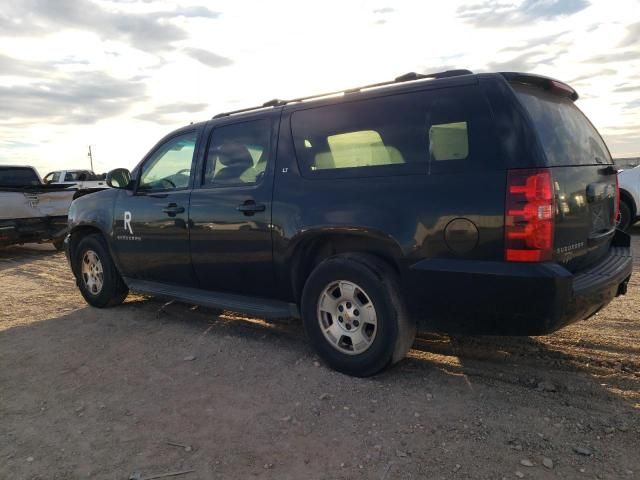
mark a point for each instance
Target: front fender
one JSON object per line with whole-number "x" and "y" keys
{"x": 95, "y": 210}
{"x": 93, "y": 213}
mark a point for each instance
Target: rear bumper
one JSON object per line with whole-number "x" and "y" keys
{"x": 26, "y": 230}
{"x": 500, "y": 298}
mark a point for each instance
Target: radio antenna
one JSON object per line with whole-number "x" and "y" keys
{"x": 90, "y": 158}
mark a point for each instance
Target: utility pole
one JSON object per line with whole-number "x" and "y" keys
{"x": 90, "y": 158}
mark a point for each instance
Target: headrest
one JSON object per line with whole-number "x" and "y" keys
{"x": 234, "y": 155}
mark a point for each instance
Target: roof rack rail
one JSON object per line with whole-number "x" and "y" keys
{"x": 407, "y": 77}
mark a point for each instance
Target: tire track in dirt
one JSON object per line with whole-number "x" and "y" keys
{"x": 94, "y": 393}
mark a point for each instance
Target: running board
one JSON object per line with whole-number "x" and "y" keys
{"x": 260, "y": 307}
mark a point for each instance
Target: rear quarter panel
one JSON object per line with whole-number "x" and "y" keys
{"x": 34, "y": 204}
{"x": 408, "y": 213}
{"x": 55, "y": 203}
{"x": 16, "y": 205}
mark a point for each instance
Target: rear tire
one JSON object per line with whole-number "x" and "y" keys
{"x": 98, "y": 279}
{"x": 624, "y": 220}
{"x": 373, "y": 331}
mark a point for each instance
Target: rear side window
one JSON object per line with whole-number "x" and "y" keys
{"x": 238, "y": 153}
{"x": 357, "y": 149}
{"x": 566, "y": 135}
{"x": 77, "y": 176}
{"x": 449, "y": 141}
{"x": 437, "y": 131}
{"x": 18, "y": 177}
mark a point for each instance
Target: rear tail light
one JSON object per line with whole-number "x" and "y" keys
{"x": 529, "y": 216}
{"x": 616, "y": 210}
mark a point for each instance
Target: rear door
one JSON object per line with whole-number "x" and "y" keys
{"x": 583, "y": 176}
{"x": 230, "y": 213}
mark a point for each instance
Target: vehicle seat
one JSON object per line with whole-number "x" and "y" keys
{"x": 235, "y": 160}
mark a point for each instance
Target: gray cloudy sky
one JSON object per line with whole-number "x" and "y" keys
{"x": 120, "y": 74}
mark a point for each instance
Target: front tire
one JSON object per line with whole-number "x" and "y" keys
{"x": 354, "y": 314}
{"x": 97, "y": 277}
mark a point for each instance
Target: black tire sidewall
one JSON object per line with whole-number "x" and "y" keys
{"x": 379, "y": 290}
{"x": 110, "y": 287}
{"x": 625, "y": 217}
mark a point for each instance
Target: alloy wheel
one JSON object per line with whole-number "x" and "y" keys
{"x": 347, "y": 317}
{"x": 92, "y": 273}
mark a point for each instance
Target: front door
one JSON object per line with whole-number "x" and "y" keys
{"x": 151, "y": 235}
{"x": 231, "y": 209}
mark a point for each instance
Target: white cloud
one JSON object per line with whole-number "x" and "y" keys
{"x": 120, "y": 74}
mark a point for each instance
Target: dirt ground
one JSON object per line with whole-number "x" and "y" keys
{"x": 88, "y": 393}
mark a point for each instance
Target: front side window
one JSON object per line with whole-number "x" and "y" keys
{"x": 238, "y": 153}
{"x": 170, "y": 166}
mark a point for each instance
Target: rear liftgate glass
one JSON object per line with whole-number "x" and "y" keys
{"x": 566, "y": 211}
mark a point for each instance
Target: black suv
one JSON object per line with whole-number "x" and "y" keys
{"x": 482, "y": 204}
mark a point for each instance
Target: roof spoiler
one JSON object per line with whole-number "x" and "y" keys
{"x": 549, "y": 84}
{"x": 407, "y": 77}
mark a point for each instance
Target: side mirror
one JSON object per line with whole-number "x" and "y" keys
{"x": 119, "y": 178}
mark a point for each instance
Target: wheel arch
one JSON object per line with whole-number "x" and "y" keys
{"x": 309, "y": 249}
{"x": 79, "y": 232}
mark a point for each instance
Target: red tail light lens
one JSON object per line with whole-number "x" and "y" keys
{"x": 528, "y": 222}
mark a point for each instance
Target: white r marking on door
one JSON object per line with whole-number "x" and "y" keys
{"x": 127, "y": 222}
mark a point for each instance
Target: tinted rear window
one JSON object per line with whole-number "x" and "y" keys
{"x": 433, "y": 131}
{"x": 18, "y": 177}
{"x": 567, "y": 136}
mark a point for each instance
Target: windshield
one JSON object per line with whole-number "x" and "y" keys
{"x": 567, "y": 136}
{"x": 18, "y": 177}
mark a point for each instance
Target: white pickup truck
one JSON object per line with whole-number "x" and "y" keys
{"x": 81, "y": 179}
{"x": 629, "y": 181}
{"x": 31, "y": 210}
